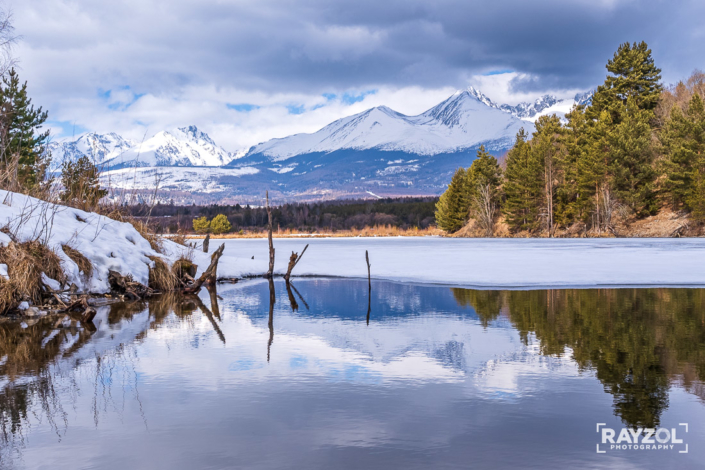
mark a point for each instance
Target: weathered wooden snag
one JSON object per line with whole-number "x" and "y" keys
{"x": 369, "y": 276}
{"x": 206, "y": 242}
{"x": 293, "y": 261}
{"x": 209, "y": 276}
{"x": 270, "y": 273}
{"x": 369, "y": 287}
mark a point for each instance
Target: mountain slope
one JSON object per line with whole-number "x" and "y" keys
{"x": 460, "y": 122}
{"x": 186, "y": 146}
{"x": 98, "y": 147}
{"x": 545, "y": 105}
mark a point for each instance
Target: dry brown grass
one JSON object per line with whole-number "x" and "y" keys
{"x": 376, "y": 231}
{"x": 161, "y": 277}
{"x": 155, "y": 240}
{"x": 25, "y": 264}
{"x": 179, "y": 238}
{"x": 183, "y": 266}
{"x": 84, "y": 264}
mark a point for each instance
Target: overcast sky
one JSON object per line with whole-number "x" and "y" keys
{"x": 248, "y": 70}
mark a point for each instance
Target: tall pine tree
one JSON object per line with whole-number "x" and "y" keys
{"x": 484, "y": 170}
{"x": 631, "y": 159}
{"x": 683, "y": 138}
{"x": 633, "y": 74}
{"x": 523, "y": 186}
{"x": 23, "y": 143}
{"x": 452, "y": 206}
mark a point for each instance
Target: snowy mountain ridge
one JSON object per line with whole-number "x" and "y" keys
{"x": 546, "y": 104}
{"x": 379, "y": 151}
{"x": 462, "y": 121}
{"x": 185, "y": 146}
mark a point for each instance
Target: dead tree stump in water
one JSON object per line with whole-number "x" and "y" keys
{"x": 206, "y": 242}
{"x": 369, "y": 276}
{"x": 369, "y": 287}
{"x": 209, "y": 275}
{"x": 293, "y": 261}
{"x": 270, "y": 272}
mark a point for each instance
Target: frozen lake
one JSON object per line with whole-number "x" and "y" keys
{"x": 483, "y": 263}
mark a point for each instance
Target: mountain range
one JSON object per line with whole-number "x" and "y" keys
{"x": 378, "y": 151}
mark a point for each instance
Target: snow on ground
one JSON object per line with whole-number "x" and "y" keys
{"x": 484, "y": 263}
{"x": 108, "y": 244}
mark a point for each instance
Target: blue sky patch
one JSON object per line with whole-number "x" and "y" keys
{"x": 242, "y": 107}
{"x": 349, "y": 97}
{"x": 68, "y": 129}
{"x": 295, "y": 108}
{"x": 498, "y": 72}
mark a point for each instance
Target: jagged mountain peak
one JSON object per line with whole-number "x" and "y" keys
{"x": 185, "y": 146}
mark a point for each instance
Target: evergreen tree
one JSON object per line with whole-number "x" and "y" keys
{"x": 523, "y": 184}
{"x": 81, "y": 183}
{"x": 631, "y": 159}
{"x": 452, "y": 206}
{"x": 484, "y": 170}
{"x": 633, "y": 75}
{"x": 220, "y": 224}
{"x": 22, "y": 140}
{"x": 568, "y": 205}
{"x": 593, "y": 166}
{"x": 683, "y": 138}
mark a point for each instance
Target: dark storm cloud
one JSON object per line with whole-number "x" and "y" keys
{"x": 312, "y": 45}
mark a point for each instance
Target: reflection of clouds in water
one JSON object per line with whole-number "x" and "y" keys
{"x": 524, "y": 373}
{"x": 425, "y": 380}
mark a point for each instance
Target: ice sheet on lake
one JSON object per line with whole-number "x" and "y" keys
{"x": 484, "y": 263}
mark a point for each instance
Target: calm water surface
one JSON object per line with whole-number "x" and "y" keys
{"x": 325, "y": 377}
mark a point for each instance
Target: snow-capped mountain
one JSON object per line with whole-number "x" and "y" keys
{"x": 186, "y": 146}
{"x": 379, "y": 151}
{"x": 545, "y": 105}
{"x": 98, "y": 147}
{"x": 461, "y": 122}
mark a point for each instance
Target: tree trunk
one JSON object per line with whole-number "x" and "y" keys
{"x": 270, "y": 273}
{"x": 369, "y": 276}
{"x": 206, "y": 242}
{"x": 293, "y": 261}
{"x": 209, "y": 275}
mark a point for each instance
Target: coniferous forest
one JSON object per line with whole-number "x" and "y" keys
{"x": 637, "y": 149}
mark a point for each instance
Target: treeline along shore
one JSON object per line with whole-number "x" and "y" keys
{"x": 381, "y": 216}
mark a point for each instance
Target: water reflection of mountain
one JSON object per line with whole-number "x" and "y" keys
{"x": 638, "y": 341}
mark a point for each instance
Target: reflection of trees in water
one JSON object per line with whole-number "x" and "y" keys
{"x": 638, "y": 341}
{"x": 39, "y": 365}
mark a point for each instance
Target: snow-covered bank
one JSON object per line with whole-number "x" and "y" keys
{"x": 485, "y": 263}
{"x": 106, "y": 243}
